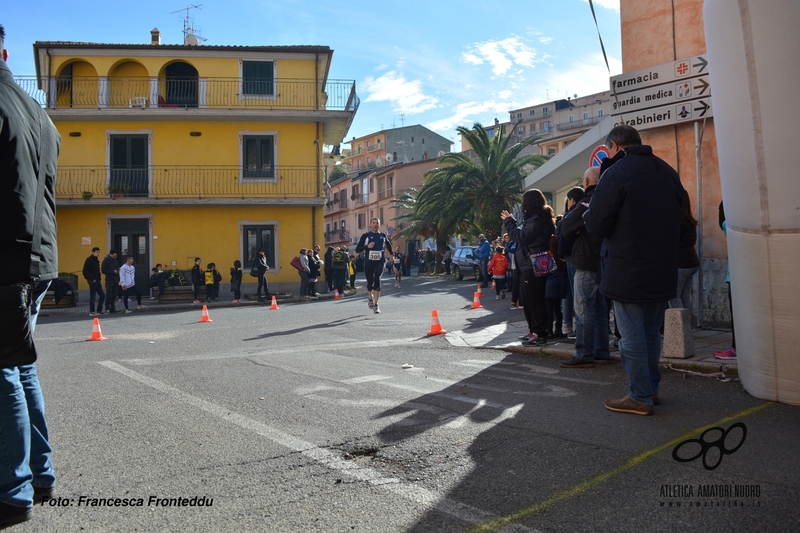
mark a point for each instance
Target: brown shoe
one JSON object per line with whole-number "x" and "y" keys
{"x": 626, "y": 405}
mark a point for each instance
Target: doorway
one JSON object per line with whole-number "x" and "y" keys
{"x": 131, "y": 236}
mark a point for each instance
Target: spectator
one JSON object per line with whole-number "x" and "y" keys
{"x": 341, "y": 264}
{"x": 591, "y": 311}
{"x": 263, "y": 267}
{"x": 110, "y": 269}
{"x": 304, "y": 272}
{"x": 483, "y": 253}
{"x": 636, "y": 210}
{"x": 29, "y": 145}
{"x": 236, "y": 281}
{"x": 574, "y": 196}
{"x": 447, "y": 259}
{"x": 313, "y": 274}
{"x": 532, "y": 238}
{"x": 127, "y": 278}
{"x": 729, "y": 352}
{"x": 198, "y": 280}
{"x": 688, "y": 263}
{"x": 497, "y": 268}
{"x": 328, "y": 266}
{"x": 91, "y": 273}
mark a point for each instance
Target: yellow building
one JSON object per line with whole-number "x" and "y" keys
{"x": 175, "y": 151}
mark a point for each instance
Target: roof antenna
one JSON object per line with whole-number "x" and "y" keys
{"x": 191, "y": 35}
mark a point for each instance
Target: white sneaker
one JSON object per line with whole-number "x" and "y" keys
{"x": 566, "y": 330}
{"x": 142, "y": 307}
{"x": 371, "y": 305}
{"x": 377, "y": 311}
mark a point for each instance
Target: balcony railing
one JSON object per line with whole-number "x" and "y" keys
{"x": 187, "y": 182}
{"x": 581, "y": 123}
{"x": 374, "y": 147}
{"x": 164, "y": 93}
{"x": 340, "y": 203}
{"x": 337, "y": 236}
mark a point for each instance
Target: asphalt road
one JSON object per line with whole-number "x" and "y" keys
{"x": 309, "y": 419}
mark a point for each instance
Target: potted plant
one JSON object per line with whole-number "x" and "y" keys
{"x": 354, "y": 197}
{"x": 117, "y": 190}
{"x": 87, "y": 195}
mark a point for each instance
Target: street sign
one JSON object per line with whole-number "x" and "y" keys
{"x": 599, "y": 153}
{"x": 656, "y": 117}
{"x": 660, "y": 74}
{"x": 668, "y": 93}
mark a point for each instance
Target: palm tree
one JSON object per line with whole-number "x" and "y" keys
{"x": 489, "y": 182}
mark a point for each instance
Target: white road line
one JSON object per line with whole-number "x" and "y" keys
{"x": 410, "y": 491}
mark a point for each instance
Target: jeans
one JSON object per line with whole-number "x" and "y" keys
{"x": 24, "y": 447}
{"x": 96, "y": 288}
{"x": 484, "y": 268}
{"x": 568, "y": 302}
{"x": 684, "y": 287}
{"x": 640, "y": 346}
{"x": 262, "y": 283}
{"x": 303, "y": 283}
{"x": 591, "y": 317}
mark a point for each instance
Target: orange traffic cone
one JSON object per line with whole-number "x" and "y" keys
{"x": 479, "y": 292}
{"x": 97, "y": 335}
{"x": 336, "y": 295}
{"x": 476, "y": 302}
{"x": 205, "y": 317}
{"x": 274, "y": 306}
{"x": 494, "y": 284}
{"x": 436, "y": 328}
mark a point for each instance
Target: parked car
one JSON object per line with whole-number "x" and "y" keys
{"x": 465, "y": 261}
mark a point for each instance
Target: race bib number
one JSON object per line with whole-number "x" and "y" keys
{"x": 375, "y": 255}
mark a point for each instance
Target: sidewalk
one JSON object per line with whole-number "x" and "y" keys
{"x": 504, "y": 337}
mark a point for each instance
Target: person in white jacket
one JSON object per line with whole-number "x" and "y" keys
{"x": 127, "y": 278}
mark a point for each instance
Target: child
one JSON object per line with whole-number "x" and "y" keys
{"x": 209, "y": 279}
{"x": 497, "y": 268}
{"x": 217, "y": 279}
{"x": 236, "y": 281}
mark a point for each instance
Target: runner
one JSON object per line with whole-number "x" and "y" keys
{"x": 373, "y": 243}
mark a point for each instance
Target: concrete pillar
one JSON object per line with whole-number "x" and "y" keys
{"x": 678, "y": 340}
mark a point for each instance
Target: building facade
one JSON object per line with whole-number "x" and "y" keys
{"x": 171, "y": 152}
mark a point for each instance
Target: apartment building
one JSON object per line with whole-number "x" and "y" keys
{"x": 172, "y": 151}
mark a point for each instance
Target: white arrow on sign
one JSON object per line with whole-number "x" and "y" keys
{"x": 691, "y": 67}
{"x": 666, "y": 115}
{"x": 668, "y": 93}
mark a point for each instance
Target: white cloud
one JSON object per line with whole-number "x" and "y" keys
{"x": 462, "y": 113}
{"x": 608, "y": 4}
{"x": 405, "y": 96}
{"x": 501, "y": 55}
{"x": 545, "y": 40}
{"x": 586, "y": 76}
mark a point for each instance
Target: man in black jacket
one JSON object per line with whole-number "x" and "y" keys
{"x": 110, "y": 269}
{"x": 636, "y": 209}
{"x": 91, "y": 273}
{"x": 591, "y": 312}
{"x": 29, "y": 145}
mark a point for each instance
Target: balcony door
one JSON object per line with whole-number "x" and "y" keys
{"x": 129, "y": 172}
{"x": 182, "y": 82}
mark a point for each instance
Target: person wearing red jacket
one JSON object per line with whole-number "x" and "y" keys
{"x": 497, "y": 269}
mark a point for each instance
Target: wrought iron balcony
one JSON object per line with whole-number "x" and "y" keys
{"x": 337, "y": 236}
{"x": 167, "y": 182}
{"x": 580, "y": 123}
{"x": 162, "y": 93}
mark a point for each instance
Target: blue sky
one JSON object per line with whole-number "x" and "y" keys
{"x": 438, "y": 63}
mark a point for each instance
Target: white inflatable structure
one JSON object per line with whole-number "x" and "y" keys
{"x": 754, "y": 61}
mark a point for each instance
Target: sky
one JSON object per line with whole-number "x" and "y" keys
{"x": 438, "y": 63}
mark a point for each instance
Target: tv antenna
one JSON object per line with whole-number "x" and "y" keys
{"x": 190, "y": 34}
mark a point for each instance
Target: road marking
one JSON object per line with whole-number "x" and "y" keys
{"x": 365, "y": 379}
{"x": 410, "y": 491}
{"x": 605, "y": 476}
{"x": 281, "y": 351}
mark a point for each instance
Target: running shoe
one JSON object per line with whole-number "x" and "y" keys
{"x": 377, "y": 311}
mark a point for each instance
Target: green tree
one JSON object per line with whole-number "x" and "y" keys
{"x": 477, "y": 188}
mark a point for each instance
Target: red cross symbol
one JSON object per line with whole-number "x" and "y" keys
{"x": 682, "y": 68}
